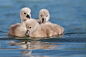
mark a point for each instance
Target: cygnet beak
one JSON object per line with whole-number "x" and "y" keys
{"x": 27, "y": 32}
{"x": 43, "y": 20}
{"x": 28, "y": 16}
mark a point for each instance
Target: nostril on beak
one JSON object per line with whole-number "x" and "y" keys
{"x": 28, "y": 16}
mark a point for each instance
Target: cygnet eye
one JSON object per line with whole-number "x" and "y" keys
{"x": 30, "y": 27}
{"x": 41, "y": 15}
{"x": 24, "y": 13}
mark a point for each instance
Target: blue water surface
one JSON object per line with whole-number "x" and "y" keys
{"x": 70, "y": 14}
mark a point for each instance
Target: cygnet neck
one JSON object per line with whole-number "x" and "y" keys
{"x": 23, "y": 20}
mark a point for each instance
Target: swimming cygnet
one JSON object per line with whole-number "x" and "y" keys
{"x": 44, "y": 16}
{"x": 34, "y": 29}
{"x": 19, "y": 29}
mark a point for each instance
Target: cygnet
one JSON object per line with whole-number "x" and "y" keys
{"x": 19, "y": 29}
{"x": 34, "y": 29}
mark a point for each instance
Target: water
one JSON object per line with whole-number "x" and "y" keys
{"x": 71, "y": 14}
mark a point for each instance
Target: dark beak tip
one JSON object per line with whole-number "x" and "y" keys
{"x": 28, "y": 16}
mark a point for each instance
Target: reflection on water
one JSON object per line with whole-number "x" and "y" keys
{"x": 28, "y": 47}
{"x": 33, "y": 45}
{"x": 70, "y": 14}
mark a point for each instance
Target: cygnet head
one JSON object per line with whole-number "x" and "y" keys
{"x": 31, "y": 25}
{"x": 25, "y": 13}
{"x": 44, "y": 15}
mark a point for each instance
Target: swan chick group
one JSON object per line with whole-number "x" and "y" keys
{"x": 33, "y": 28}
